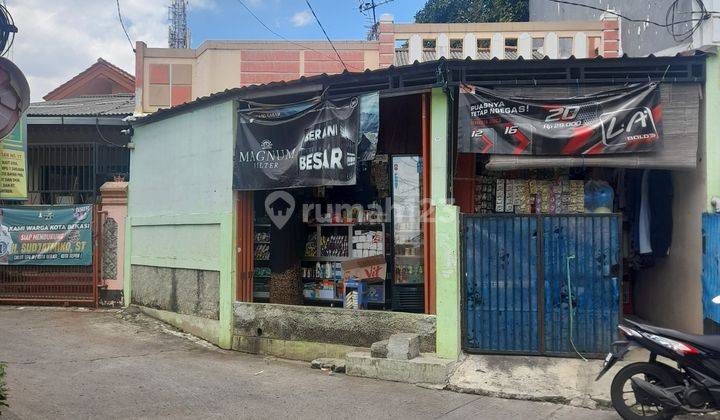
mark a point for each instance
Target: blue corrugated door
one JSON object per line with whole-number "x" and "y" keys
{"x": 517, "y": 298}
{"x": 711, "y": 273}
{"x": 583, "y": 307}
{"x": 501, "y": 288}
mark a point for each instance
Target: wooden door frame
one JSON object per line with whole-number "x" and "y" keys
{"x": 428, "y": 211}
{"x": 244, "y": 222}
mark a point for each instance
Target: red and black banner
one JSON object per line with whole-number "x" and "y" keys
{"x": 627, "y": 120}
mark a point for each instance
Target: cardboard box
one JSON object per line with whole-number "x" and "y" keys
{"x": 368, "y": 268}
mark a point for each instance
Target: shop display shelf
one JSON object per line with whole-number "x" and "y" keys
{"x": 261, "y": 295}
{"x": 408, "y": 256}
{"x": 326, "y": 259}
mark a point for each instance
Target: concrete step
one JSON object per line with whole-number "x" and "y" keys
{"x": 425, "y": 369}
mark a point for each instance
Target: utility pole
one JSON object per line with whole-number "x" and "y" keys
{"x": 178, "y": 31}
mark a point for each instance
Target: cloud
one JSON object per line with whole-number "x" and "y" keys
{"x": 59, "y": 39}
{"x": 303, "y": 18}
{"x": 203, "y": 5}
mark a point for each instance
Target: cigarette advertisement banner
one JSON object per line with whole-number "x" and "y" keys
{"x": 301, "y": 145}
{"x": 57, "y": 235}
{"x": 627, "y": 120}
{"x": 13, "y": 163}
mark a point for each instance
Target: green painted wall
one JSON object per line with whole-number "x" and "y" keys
{"x": 447, "y": 231}
{"x": 180, "y": 204}
{"x": 712, "y": 127}
{"x": 447, "y": 280}
{"x": 439, "y": 145}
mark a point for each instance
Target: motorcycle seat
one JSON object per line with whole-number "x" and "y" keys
{"x": 711, "y": 342}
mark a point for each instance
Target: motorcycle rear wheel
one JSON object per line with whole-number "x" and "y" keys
{"x": 621, "y": 383}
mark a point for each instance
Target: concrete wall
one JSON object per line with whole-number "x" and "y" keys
{"x": 219, "y": 65}
{"x": 712, "y": 127}
{"x": 189, "y": 292}
{"x": 179, "y": 234}
{"x": 638, "y": 39}
{"x": 113, "y": 203}
{"x": 670, "y": 293}
{"x": 306, "y": 332}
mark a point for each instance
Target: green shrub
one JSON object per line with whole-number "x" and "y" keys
{"x": 3, "y": 390}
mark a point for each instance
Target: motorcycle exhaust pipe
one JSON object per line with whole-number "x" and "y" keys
{"x": 647, "y": 392}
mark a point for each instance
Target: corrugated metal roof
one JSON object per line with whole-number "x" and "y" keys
{"x": 120, "y": 105}
{"x": 324, "y": 78}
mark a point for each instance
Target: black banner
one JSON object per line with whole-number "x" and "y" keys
{"x": 627, "y": 120}
{"x": 300, "y": 145}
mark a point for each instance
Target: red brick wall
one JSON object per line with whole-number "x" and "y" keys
{"x": 259, "y": 67}
{"x": 387, "y": 44}
{"x": 611, "y": 36}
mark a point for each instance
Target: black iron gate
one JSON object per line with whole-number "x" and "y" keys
{"x": 72, "y": 173}
{"x": 541, "y": 284}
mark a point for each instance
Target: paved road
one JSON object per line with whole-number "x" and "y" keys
{"x": 82, "y": 364}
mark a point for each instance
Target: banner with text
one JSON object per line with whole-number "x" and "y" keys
{"x": 13, "y": 163}
{"x": 57, "y": 235}
{"x": 627, "y": 120}
{"x": 300, "y": 145}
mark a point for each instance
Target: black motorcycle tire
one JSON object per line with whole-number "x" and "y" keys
{"x": 616, "y": 389}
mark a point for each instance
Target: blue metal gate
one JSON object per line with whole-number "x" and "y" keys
{"x": 711, "y": 272}
{"x": 518, "y": 296}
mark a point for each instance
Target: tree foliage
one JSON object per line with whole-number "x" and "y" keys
{"x": 465, "y": 11}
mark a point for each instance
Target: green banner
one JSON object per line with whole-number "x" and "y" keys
{"x": 13, "y": 163}
{"x": 55, "y": 235}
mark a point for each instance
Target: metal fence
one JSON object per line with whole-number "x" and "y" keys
{"x": 518, "y": 295}
{"x": 711, "y": 272}
{"x": 55, "y": 285}
{"x": 72, "y": 173}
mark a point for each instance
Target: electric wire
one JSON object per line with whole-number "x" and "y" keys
{"x": 260, "y": 21}
{"x": 671, "y": 22}
{"x": 122, "y": 24}
{"x": 102, "y": 137}
{"x": 97, "y": 125}
{"x": 570, "y": 307}
{"x": 326, "y": 34}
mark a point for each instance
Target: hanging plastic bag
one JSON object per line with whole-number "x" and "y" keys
{"x": 599, "y": 197}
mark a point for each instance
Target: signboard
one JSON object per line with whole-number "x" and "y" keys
{"x": 301, "y": 145}
{"x": 627, "y": 120}
{"x": 368, "y": 268}
{"x": 57, "y": 235}
{"x": 369, "y": 126}
{"x": 13, "y": 163}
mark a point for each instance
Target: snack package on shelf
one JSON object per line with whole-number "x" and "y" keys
{"x": 485, "y": 194}
{"x": 500, "y": 196}
{"x": 311, "y": 245}
{"x": 368, "y": 243}
{"x": 262, "y": 252}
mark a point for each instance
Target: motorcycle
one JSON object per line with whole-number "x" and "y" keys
{"x": 657, "y": 390}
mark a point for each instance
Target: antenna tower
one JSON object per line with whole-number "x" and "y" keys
{"x": 178, "y": 31}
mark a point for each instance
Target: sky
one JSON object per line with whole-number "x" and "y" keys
{"x": 58, "y": 39}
